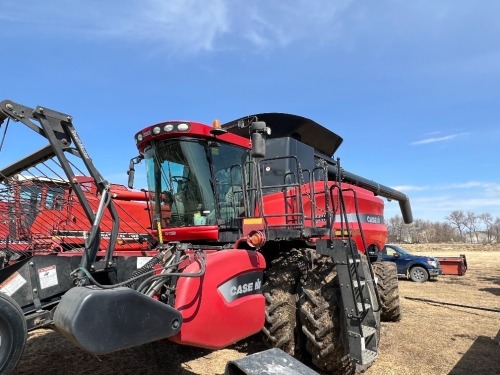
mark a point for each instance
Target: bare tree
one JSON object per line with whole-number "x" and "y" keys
{"x": 487, "y": 220}
{"x": 395, "y": 227}
{"x": 413, "y": 232}
{"x": 496, "y": 229}
{"x": 428, "y": 232}
{"x": 459, "y": 226}
{"x": 420, "y": 231}
{"x": 472, "y": 224}
{"x": 444, "y": 232}
{"x": 458, "y": 220}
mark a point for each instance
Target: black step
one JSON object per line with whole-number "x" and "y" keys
{"x": 356, "y": 299}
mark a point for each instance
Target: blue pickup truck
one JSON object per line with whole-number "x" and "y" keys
{"x": 419, "y": 268}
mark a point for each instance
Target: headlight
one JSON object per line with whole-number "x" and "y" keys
{"x": 139, "y": 137}
{"x": 156, "y": 130}
{"x": 432, "y": 262}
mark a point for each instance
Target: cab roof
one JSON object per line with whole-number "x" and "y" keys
{"x": 287, "y": 125}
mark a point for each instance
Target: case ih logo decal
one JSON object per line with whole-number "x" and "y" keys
{"x": 351, "y": 218}
{"x": 242, "y": 285}
{"x": 374, "y": 219}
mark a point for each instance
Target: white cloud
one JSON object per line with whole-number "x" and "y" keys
{"x": 448, "y": 203}
{"x": 486, "y": 186}
{"x": 410, "y": 188}
{"x": 178, "y": 25}
{"x": 187, "y": 26}
{"x": 192, "y": 26}
{"x": 438, "y": 139}
{"x": 467, "y": 185}
{"x": 435, "y": 202}
{"x": 276, "y": 24}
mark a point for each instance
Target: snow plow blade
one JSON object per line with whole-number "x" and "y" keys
{"x": 269, "y": 362}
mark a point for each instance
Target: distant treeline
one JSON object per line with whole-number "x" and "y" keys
{"x": 459, "y": 226}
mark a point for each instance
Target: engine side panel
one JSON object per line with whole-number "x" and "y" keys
{"x": 226, "y": 304}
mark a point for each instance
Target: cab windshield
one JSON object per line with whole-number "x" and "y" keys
{"x": 191, "y": 179}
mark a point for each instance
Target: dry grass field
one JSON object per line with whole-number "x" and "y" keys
{"x": 434, "y": 337}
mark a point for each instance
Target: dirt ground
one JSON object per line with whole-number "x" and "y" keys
{"x": 434, "y": 336}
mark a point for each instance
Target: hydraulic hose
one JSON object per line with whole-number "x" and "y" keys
{"x": 145, "y": 268}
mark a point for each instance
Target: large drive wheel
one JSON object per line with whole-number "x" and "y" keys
{"x": 13, "y": 333}
{"x": 280, "y": 290}
{"x": 320, "y": 315}
{"x": 323, "y": 320}
{"x": 388, "y": 291}
{"x": 419, "y": 274}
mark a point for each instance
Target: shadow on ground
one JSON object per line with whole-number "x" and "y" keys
{"x": 481, "y": 358}
{"x": 50, "y": 353}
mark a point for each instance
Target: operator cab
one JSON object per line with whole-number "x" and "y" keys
{"x": 204, "y": 180}
{"x": 197, "y": 182}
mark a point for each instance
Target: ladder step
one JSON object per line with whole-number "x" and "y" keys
{"x": 367, "y": 306}
{"x": 355, "y": 284}
{"x": 368, "y": 331}
{"x": 368, "y": 356}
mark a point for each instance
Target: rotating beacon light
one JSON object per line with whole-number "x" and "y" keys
{"x": 216, "y": 128}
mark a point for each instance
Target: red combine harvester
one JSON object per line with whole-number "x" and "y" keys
{"x": 42, "y": 215}
{"x": 257, "y": 227}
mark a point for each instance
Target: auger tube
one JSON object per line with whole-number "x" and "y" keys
{"x": 375, "y": 188}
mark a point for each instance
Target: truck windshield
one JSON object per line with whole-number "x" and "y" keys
{"x": 401, "y": 250}
{"x": 190, "y": 179}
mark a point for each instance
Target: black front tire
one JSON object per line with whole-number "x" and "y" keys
{"x": 13, "y": 334}
{"x": 419, "y": 274}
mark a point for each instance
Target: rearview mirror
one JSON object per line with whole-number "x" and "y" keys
{"x": 259, "y": 132}
{"x": 131, "y": 170}
{"x": 131, "y": 174}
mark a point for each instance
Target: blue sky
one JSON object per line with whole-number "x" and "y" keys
{"x": 413, "y": 87}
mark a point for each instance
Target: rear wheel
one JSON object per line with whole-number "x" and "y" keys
{"x": 280, "y": 290}
{"x": 419, "y": 274}
{"x": 320, "y": 315}
{"x": 388, "y": 290}
{"x": 13, "y": 333}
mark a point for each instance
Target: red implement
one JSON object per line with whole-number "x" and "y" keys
{"x": 453, "y": 265}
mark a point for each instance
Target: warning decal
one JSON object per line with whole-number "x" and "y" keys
{"x": 47, "y": 276}
{"x": 141, "y": 261}
{"x": 13, "y": 283}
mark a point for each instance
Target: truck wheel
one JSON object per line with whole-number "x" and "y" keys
{"x": 280, "y": 290}
{"x": 13, "y": 333}
{"x": 388, "y": 291}
{"x": 320, "y": 315}
{"x": 419, "y": 274}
